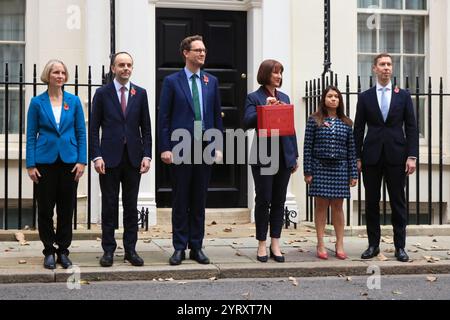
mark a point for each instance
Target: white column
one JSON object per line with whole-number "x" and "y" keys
{"x": 277, "y": 44}
{"x": 97, "y": 54}
{"x": 135, "y": 33}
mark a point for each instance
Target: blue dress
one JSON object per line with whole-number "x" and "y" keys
{"x": 329, "y": 157}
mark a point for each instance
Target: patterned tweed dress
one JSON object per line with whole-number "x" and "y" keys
{"x": 329, "y": 157}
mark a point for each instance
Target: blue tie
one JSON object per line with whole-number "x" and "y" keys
{"x": 384, "y": 103}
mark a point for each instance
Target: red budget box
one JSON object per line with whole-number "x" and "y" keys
{"x": 275, "y": 117}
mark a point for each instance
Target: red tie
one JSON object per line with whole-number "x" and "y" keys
{"x": 123, "y": 100}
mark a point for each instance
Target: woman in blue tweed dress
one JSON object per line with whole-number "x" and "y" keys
{"x": 329, "y": 165}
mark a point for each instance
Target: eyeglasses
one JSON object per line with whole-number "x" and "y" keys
{"x": 199, "y": 50}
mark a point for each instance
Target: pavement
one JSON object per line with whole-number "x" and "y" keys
{"x": 232, "y": 251}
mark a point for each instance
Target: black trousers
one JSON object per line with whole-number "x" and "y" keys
{"x": 129, "y": 177}
{"x": 270, "y": 196}
{"x": 395, "y": 177}
{"x": 56, "y": 187}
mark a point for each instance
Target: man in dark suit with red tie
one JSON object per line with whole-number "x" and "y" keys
{"x": 120, "y": 109}
{"x": 190, "y": 100}
{"x": 388, "y": 150}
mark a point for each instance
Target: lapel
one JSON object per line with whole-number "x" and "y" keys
{"x": 131, "y": 98}
{"x": 47, "y": 106}
{"x": 183, "y": 82}
{"x": 393, "y": 101}
{"x": 113, "y": 95}
{"x": 64, "y": 113}
{"x": 204, "y": 91}
{"x": 374, "y": 97}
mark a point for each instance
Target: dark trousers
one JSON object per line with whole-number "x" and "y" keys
{"x": 395, "y": 181}
{"x": 270, "y": 196}
{"x": 189, "y": 190}
{"x": 129, "y": 177}
{"x": 56, "y": 187}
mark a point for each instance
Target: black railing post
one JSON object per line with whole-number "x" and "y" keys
{"x": 34, "y": 184}
{"x": 418, "y": 154}
{"x": 327, "y": 40}
{"x": 112, "y": 21}
{"x": 407, "y": 177}
{"x": 441, "y": 134}
{"x": 347, "y": 112}
{"x": 19, "y": 223}
{"x": 359, "y": 174}
{"x": 5, "y": 209}
{"x": 75, "y": 198}
{"x": 89, "y": 147}
{"x": 430, "y": 164}
{"x": 306, "y": 121}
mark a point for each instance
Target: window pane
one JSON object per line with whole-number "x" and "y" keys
{"x": 14, "y": 106}
{"x": 368, "y": 4}
{"x": 413, "y": 34}
{"x": 396, "y": 78}
{"x": 416, "y": 4}
{"x": 12, "y": 24}
{"x": 365, "y": 63}
{"x": 414, "y": 67}
{"x": 13, "y": 55}
{"x": 367, "y": 34}
{"x": 390, "y": 34}
{"x": 392, "y": 4}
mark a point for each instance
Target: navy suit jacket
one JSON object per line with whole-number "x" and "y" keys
{"x": 396, "y": 139}
{"x": 176, "y": 107}
{"x": 133, "y": 127}
{"x": 289, "y": 143}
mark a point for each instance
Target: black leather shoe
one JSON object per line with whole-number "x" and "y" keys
{"x": 49, "y": 261}
{"x": 107, "y": 259}
{"x": 177, "y": 257}
{"x": 276, "y": 258}
{"x": 370, "y": 253}
{"x": 199, "y": 256}
{"x": 64, "y": 260}
{"x": 134, "y": 259}
{"x": 262, "y": 258}
{"x": 401, "y": 255}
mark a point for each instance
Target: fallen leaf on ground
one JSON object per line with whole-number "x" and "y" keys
{"x": 227, "y": 230}
{"x": 21, "y": 238}
{"x": 84, "y": 282}
{"x": 238, "y": 254}
{"x": 168, "y": 279}
{"x": 413, "y": 250}
{"x": 362, "y": 236}
{"x": 160, "y": 279}
{"x": 435, "y": 247}
{"x": 418, "y": 245}
{"x": 26, "y": 227}
{"x": 431, "y": 259}
{"x": 213, "y": 223}
{"x": 389, "y": 250}
{"x": 237, "y": 243}
{"x": 98, "y": 239}
{"x": 75, "y": 246}
{"x": 387, "y": 240}
{"x": 212, "y": 278}
{"x": 364, "y": 294}
{"x": 431, "y": 279}
{"x": 246, "y": 295}
{"x": 119, "y": 254}
{"x": 182, "y": 282}
{"x": 22, "y": 261}
{"x": 435, "y": 240}
{"x": 294, "y": 281}
{"x": 382, "y": 257}
{"x": 147, "y": 240}
{"x": 397, "y": 292}
{"x": 349, "y": 279}
{"x": 448, "y": 253}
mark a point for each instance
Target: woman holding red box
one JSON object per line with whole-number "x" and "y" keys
{"x": 270, "y": 189}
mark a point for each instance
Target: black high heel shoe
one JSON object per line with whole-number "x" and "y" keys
{"x": 262, "y": 258}
{"x": 276, "y": 258}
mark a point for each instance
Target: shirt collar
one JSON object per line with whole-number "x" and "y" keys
{"x": 388, "y": 87}
{"x": 118, "y": 85}
{"x": 189, "y": 73}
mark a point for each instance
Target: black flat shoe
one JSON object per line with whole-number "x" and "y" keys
{"x": 276, "y": 258}
{"x": 49, "y": 261}
{"x": 177, "y": 257}
{"x": 134, "y": 259}
{"x": 107, "y": 259}
{"x": 370, "y": 253}
{"x": 64, "y": 260}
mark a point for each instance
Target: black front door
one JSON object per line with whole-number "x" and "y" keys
{"x": 224, "y": 34}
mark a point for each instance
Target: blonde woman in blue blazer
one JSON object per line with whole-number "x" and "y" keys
{"x": 56, "y": 158}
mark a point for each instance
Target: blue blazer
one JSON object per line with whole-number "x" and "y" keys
{"x": 396, "y": 139}
{"x": 45, "y": 141}
{"x": 176, "y": 107}
{"x": 134, "y": 127}
{"x": 288, "y": 143}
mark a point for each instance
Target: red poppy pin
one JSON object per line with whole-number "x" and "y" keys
{"x": 133, "y": 91}
{"x": 205, "y": 79}
{"x": 396, "y": 89}
{"x": 66, "y": 106}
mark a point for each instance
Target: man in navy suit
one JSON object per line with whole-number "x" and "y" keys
{"x": 389, "y": 150}
{"x": 120, "y": 109}
{"x": 190, "y": 100}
